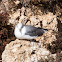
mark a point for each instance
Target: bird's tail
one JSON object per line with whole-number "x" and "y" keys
{"x": 41, "y": 31}
{"x": 45, "y": 30}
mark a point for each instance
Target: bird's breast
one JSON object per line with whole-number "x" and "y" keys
{"x": 17, "y": 33}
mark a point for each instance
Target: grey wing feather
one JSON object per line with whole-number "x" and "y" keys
{"x": 33, "y": 31}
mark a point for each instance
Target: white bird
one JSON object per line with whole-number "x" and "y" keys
{"x": 27, "y": 31}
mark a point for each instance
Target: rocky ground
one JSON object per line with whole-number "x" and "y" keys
{"x": 39, "y": 13}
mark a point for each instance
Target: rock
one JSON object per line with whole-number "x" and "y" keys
{"x": 21, "y": 50}
{"x": 47, "y": 21}
{"x": 24, "y": 51}
{"x": 50, "y": 21}
{"x": 32, "y": 18}
{"x": 26, "y": 16}
{"x": 14, "y": 16}
{"x": 38, "y": 13}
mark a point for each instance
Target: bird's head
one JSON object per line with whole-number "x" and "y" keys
{"x": 19, "y": 25}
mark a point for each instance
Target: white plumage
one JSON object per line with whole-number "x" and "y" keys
{"x": 28, "y": 31}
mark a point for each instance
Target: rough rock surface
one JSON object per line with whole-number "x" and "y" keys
{"x": 24, "y": 51}
{"x": 48, "y": 21}
{"x": 45, "y": 14}
{"x": 20, "y": 50}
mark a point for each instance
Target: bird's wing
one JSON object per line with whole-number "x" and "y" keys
{"x": 33, "y": 31}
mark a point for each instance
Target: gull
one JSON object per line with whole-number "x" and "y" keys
{"x": 28, "y": 32}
